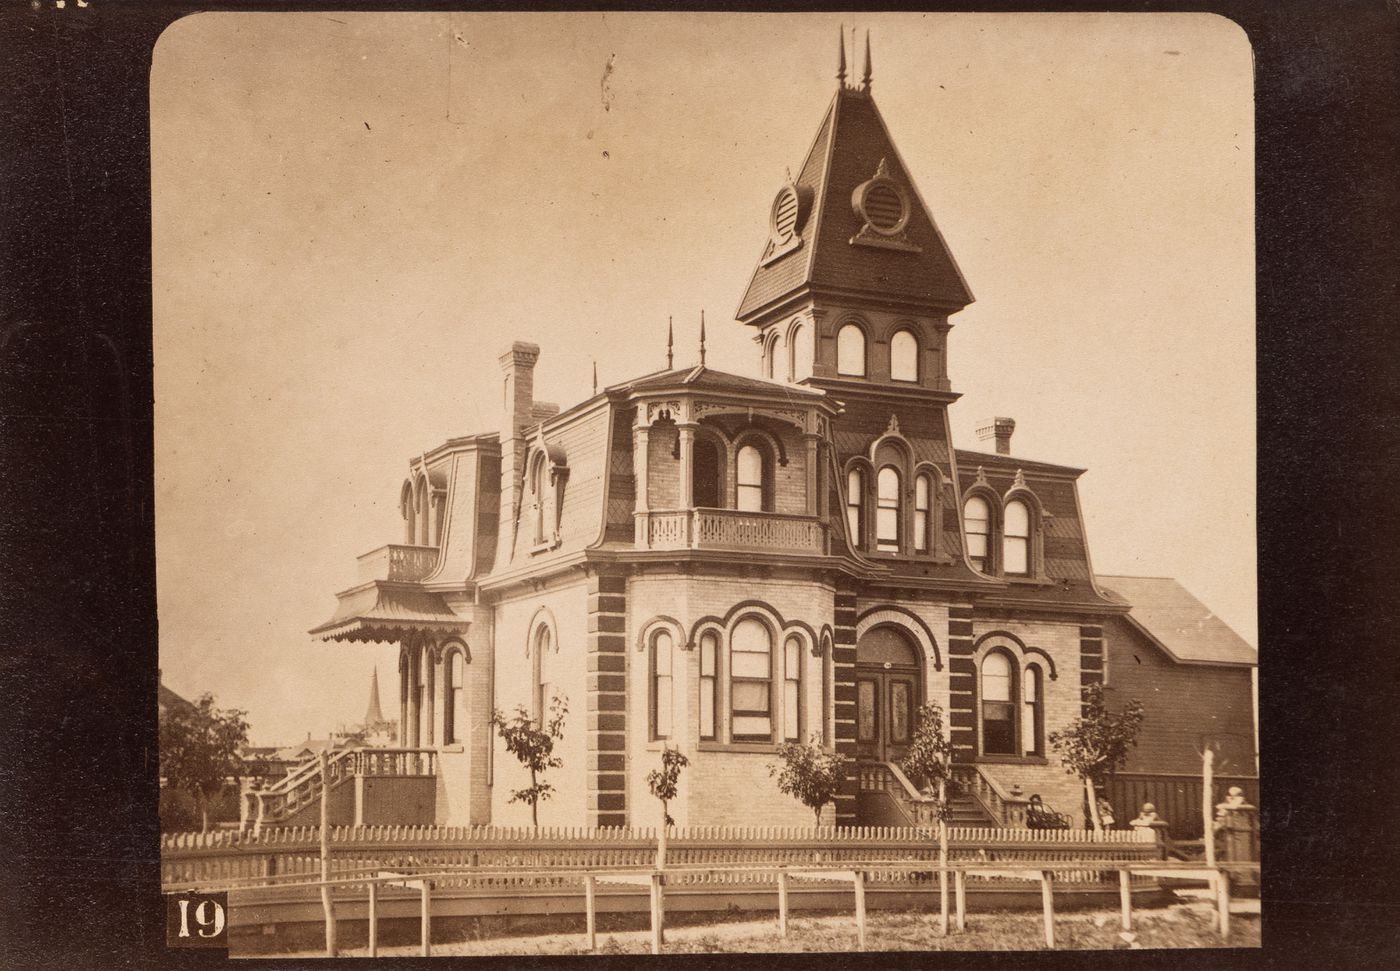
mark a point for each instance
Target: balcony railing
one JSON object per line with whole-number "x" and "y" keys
{"x": 729, "y": 529}
{"x": 397, "y": 563}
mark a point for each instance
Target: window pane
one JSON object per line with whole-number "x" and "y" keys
{"x": 996, "y": 678}
{"x": 750, "y": 466}
{"x": 750, "y": 697}
{"x": 920, "y": 529}
{"x": 1030, "y": 691}
{"x": 850, "y": 351}
{"x": 707, "y": 707}
{"x": 745, "y": 665}
{"x": 751, "y": 635}
{"x": 749, "y": 498}
{"x": 801, "y": 353}
{"x": 888, "y": 483}
{"x": 921, "y": 492}
{"x": 977, "y": 546}
{"x": 865, "y": 711}
{"x": 752, "y": 725}
{"x": 708, "y": 643}
{"x": 1015, "y": 554}
{"x": 663, "y": 707}
{"x": 887, "y": 528}
{"x": 899, "y": 711}
{"x": 1018, "y": 519}
{"x": 855, "y": 495}
{"x": 792, "y": 657}
{"x": 790, "y": 710}
{"x": 904, "y": 357}
{"x": 662, "y": 645}
{"x": 1028, "y": 733}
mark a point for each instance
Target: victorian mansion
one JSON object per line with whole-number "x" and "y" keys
{"x": 722, "y": 562}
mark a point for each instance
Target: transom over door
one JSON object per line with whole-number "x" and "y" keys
{"x": 888, "y": 694}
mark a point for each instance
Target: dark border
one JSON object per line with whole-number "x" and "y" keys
{"x": 78, "y": 863}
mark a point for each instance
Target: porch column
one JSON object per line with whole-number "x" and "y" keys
{"x": 811, "y": 440}
{"x": 687, "y": 470}
{"x": 410, "y": 732}
{"x": 640, "y": 440}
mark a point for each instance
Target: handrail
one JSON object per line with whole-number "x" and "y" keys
{"x": 298, "y": 788}
{"x": 1005, "y": 808}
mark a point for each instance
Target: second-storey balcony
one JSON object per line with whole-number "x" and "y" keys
{"x": 729, "y": 529}
{"x": 397, "y": 562}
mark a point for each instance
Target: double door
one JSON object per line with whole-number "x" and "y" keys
{"x": 887, "y": 697}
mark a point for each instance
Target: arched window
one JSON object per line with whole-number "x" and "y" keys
{"x": 425, "y": 698}
{"x": 998, "y": 706}
{"x": 850, "y": 351}
{"x": 410, "y": 514}
{"x": 801, "y": 352}
{"x": 544, "y": 690}
{"x": 709, "y": 654}
{"x": 855, "y": 506}
{"x": 828, "y": 689}
{"x": 770, "y": 352}
{"x": 750, "y": 466}
{"x": 923, "y": 500}
{"x": 1016, "y": 539}
{"x": 977, "y": 521}
{"x": 904, "y": 356}
{"x": 792, "y": 689}
{"x": 537, "y": 477}
{"x": 751, "y": 682}
{"x": 1033, "y": 712}
{"x": 705, "y": 486}
{"x": 451, "y": 696}
{"x": 662, "y": 646}
{"x": 887, "y": 509}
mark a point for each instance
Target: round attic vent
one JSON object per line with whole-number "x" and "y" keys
{"x": 784, "y": 215}
{"x": 882, "y": 203}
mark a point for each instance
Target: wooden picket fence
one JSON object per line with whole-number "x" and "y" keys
{"x": 515, "y": 860}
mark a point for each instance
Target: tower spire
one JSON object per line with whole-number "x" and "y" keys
{"x": 841, "y": 63}
{"x": 670, "y": 340}
{"x": 702, "y": 336}
{"x": 865, "y": 78}
{"x": 373, "y": 715}
{"x": 595, "y": 377}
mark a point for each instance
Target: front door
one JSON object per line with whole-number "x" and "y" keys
{"x": 887, "y": 694}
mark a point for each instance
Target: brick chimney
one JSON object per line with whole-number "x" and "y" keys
{"x": 518, "y": 371}
{"x": 999, "y": 429}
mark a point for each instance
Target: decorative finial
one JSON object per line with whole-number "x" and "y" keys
{"x": 595, "y": 377}
{"x": 841, "y": 63}
{"x": 670, "y": 339}
{"x": 702, "y": 337}
{"x": 865, "y": 78}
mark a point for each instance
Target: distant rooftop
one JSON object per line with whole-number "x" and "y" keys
{"x": 1184, "y": 627}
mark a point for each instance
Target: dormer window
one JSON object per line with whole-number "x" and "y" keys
{"x": 977, "y": 521}
{"x": 855, "y": 506}
{"x": 887, "y": 510}
{"x": 1016, "y": 539}
{"x": 923, "y": 494}
{"x": 850, "y": 351}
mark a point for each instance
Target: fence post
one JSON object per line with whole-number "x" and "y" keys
{"x": 782, "y": 902}
{"x": 1207, "y": 800}
{"x": 1222, "y": 900}
{"x": 860, "y": 910}
{"x": 1047, "y": 902}
{"x": 1125, "y": 897}
{"x": 326, "y": 906}
{"x": 590, "y": 885}
{"x": 658, "y": 915}
{"x": 943, "y": 877}
{"x": 427, "y": 919}
{"x": 373, "y": 919}
{"x": 960, "y": 889}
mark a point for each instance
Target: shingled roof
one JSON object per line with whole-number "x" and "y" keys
{"x": 1179, "y": 623}
{"x": 852, "y": 144}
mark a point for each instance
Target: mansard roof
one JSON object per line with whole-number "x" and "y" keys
{"x": 851, "y": 146}
{"x": 702, "y": 378}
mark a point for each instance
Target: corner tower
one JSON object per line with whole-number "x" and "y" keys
{"x": 851, "y": 242}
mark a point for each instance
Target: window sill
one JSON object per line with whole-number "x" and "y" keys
{"x": 1012, "y": 760}
{"x": 1026, "y": 581}
{"x": 757, "y": 748}
{"x": 454, "y": 747}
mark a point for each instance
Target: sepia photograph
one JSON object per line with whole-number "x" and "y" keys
{"x": 649, "y": 482}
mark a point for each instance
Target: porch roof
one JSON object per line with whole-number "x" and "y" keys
{"x": 381, "y": 611}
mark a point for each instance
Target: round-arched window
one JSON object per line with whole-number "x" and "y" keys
{"x": 904, "y": 357}
{"x": 850, "y": 351}
{"x": 749, "y": 479}
{"x": 801, "y": 352}
{"x": 977, "y": 521}
{"x": 1016, "y": 539}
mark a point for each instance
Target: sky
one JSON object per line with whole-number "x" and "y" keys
{"x": 353, "y": 214}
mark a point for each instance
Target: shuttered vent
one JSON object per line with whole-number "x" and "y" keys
{"x": 785, "y": 215}
{"x": 883, "y": 206}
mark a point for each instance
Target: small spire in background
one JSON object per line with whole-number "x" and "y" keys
{"x": 841, "y": 64}
{"x": 670, "y": 340}
{"x": 702, "y": 337}
{"x": 865, "y": 78}
{"x": 595, "y": 377}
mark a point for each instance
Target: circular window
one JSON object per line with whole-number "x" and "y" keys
{"x": 785, "y": 212}
{"x": 883, "y": 205}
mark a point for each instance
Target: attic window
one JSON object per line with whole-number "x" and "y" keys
{"x": 884, "y": 209}
{"x": 783, "y": 221}
{"x": 883, "y": 206}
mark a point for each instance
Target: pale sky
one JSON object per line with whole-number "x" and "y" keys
{"x": 354, "y": 213}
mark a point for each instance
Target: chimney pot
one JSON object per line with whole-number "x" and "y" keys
{"x": 998, "y": 429}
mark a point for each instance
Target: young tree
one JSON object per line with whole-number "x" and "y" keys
{"x": 929, "y": 762}
{"x": 199, "y": 747}
{"x": 663, "y": 781}
{"x": 808, "y": 773}
{"x": 1097, "y": 742}
{"x": 533, "y": 746}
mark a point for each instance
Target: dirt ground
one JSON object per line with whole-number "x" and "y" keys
{"x": 1190, "y": 923}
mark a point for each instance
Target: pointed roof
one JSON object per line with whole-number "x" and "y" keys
{"x": 1176, "y": 621}
{"x": 838, "y": 252}
{"x": 373, "y": 715}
